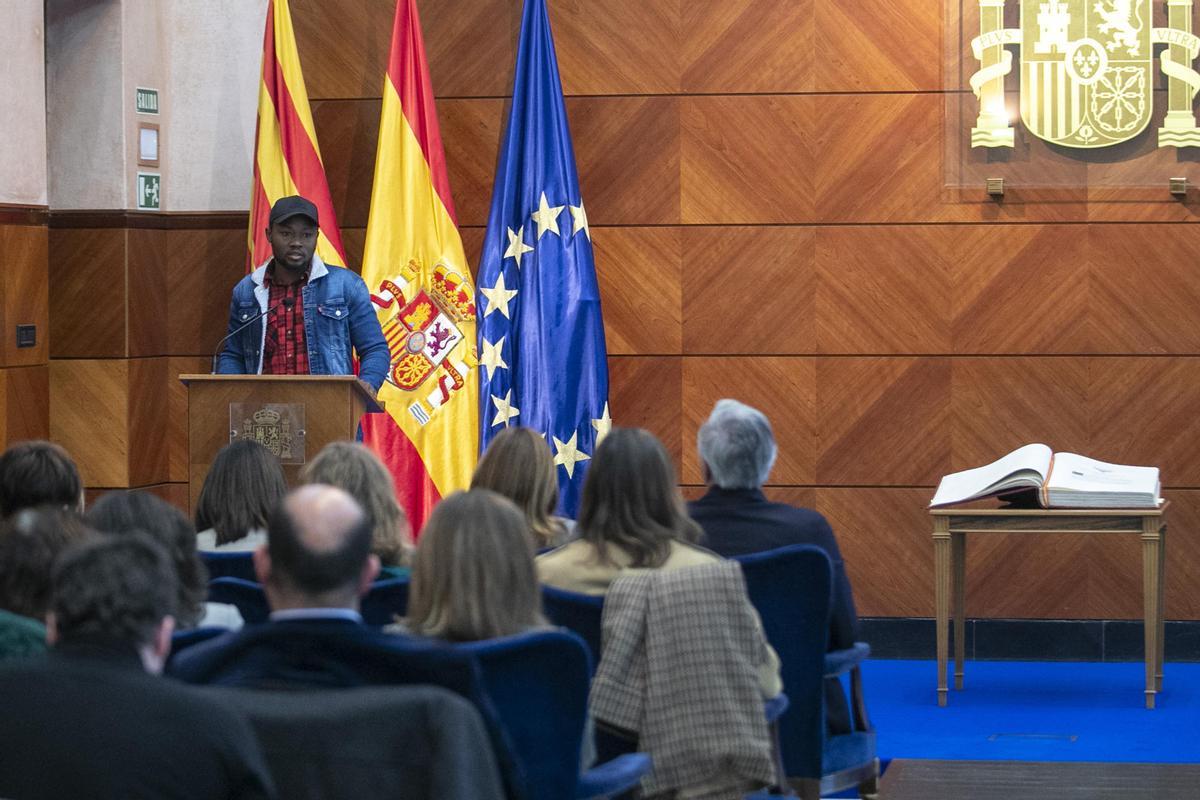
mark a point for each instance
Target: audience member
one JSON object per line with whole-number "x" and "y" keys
{"x": 737, "y": 450}
{"x": 356, "y": 470}
{"x": 92, "y": 719}
{"x": 518, "y": 465}
{"x": 473, "y": 575}
{"x": 241, "y": 489}
{"x": 38, "y": 473}
{"x": 30, "y": 541}
{"x": 130, "y": 512}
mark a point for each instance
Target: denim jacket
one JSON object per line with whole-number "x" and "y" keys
{"x": 338, "y": 315}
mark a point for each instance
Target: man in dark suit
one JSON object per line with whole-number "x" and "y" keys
{"x": 737, "y": 450}
{"x": 93, "y": 719}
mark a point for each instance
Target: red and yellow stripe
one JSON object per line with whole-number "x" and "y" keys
{"x": 413, "y": 222}
{"x": 287, "y": 160}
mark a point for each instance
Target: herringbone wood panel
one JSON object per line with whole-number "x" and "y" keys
{"x": 89, "y": 415}
{"x": 146, "y": 273}
{"x": 24, "y": 404}
{"x": 646, "y": 392}
{"x": 878, "y": 45}
{"x": 201, "y": 269}
{"x": 348, "y": 131}
{"x": 617, "y": 47}
{"x": 471, "y": 133}
{"x": 87, "y": 305}
{"x": 785, "y": 389}
{"x": 639, "y": 274}
{"x": 750, "y": 46}
{"x": 177, "y": 416}
{"x": 748, "y": 291}
{"x": 24, "y": 294}
{"x": 150, "y": 385}
{"x": 343, "y": 47}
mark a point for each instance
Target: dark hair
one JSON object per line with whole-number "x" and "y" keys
{"x": 30, "y": 541}
{"x": 630, "y": 499}
{"x": 37, "y": 473}
{"x": 314, "y": 572}
{"x": 242, "y": 488}
{"x": 473, "y": 575}
{"x": 518, "y": 465}
{"x": 116, "y": 587}
{"x": 123, "y": 513}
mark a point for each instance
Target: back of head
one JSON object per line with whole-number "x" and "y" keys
{"x": 38, "y": 473}
{"x": 356, "y": 470}
{"x": 242, "y": 488}
{"x": 737, "y": 446}
{"x": 123, "y": 513}
{"x": 319, "y": 543}
{"x": 113, "y": 588}
{"x": 473, "y": 574}
{"x": 519, "y": 466}
{"x": 30, "y": 542}
{"x": 630, "y": 499}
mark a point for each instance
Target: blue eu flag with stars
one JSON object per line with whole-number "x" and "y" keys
{"x": 541, "y": 336}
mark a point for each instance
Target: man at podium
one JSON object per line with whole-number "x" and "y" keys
{"x": 296, "y": 315}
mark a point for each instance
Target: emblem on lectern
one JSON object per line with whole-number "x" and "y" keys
{"x": 1086, "y": 72}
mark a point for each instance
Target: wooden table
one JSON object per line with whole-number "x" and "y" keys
{"x": 950, "y": 529}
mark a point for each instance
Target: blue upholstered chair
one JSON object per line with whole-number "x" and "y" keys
{"x": 792, "y": 590}
{"x": 247, "y": 595}
{"x": 182, "y": 640}
{"x": 386, "y": 600}
{"x": 538, "y": 684}
{"x": 229, "y": 565}
{"x": 576, "y": 612}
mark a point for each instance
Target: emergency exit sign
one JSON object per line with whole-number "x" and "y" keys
{"x": 146, "y": 100}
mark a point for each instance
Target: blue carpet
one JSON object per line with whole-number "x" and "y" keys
{"x": 1027, "y": 711}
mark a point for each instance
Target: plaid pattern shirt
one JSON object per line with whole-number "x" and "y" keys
{"x": 285, "y": 349}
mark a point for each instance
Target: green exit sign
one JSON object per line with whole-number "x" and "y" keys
{"x": 148, "y": 191}
{"x": 146, "y": 100}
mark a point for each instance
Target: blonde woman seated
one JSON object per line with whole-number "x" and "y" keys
{"x": 519, "y": 466}
{"x": 241, "y": 489}
{"x": 473, "y": 575}
{"x": 356, "y": 470}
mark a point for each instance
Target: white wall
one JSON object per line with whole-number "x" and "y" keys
{"x": 23, "y": 98}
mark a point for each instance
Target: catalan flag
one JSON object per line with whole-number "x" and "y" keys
{"x": 287, "y": 160}
{"x": 541, "y": 335}
{"x": 414, "y": 264}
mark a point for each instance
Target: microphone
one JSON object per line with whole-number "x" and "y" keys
{"x": 287, "y": 302}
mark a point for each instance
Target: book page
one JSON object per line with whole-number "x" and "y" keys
{"x": 1076, "y": 473}
{"x": 1025, "y": 466}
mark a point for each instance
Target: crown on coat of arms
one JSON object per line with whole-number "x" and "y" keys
{"x": 451, "y": 295}
{"x": 266, "y": 416}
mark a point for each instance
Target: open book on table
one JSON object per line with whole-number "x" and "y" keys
{"x": 1037, "y": 476}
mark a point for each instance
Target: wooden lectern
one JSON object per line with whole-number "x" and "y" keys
{"x": 294, "y": 416}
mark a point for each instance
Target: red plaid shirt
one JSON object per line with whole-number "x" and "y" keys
{"x": 285, "y": 351}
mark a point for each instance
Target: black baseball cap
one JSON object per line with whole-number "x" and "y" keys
{"x": 288, "y": 207}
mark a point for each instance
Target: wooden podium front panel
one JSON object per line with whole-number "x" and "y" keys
{"x": 329, "y": 415}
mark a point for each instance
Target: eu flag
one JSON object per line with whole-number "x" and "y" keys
{"x": 541, "y": 335}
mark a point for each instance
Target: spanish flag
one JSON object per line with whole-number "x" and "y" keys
{"x": 287, "y": 160}
{"x": 414, "y": 265}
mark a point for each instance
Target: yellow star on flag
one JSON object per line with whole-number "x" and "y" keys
{"x": 516, "y": 245}
{"x": 498, "y": 296}
{"x": 581, "y": 221}
{"x": 602, "y": 426}
{"x": 569, "y": 454}
{"x": 491, "y": 357}
{"x": 546, "y": 217}
{"x": 505, "y": 410}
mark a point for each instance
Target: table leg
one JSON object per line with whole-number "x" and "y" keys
{"x": 941, "y": 588}
{"x": 1162, "y": 607}
{"x": 958, "y": 559}
{"x": 1151, "y": 545}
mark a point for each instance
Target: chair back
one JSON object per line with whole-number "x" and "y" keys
{"x": 182, "y": 640}
{"x": 233, "y": 564}
{"x": 791, "y": 588}
{"x": 577, "y": 612}
{"x": 248, "y": 596}
{"x": 385, "y": 601}
{"x": 538, "y": 684}
{"x": 392, "y": 743}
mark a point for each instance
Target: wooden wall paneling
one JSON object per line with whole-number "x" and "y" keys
{"x": 619, "y": 47}
{"x": 884, "y": 289}
{"x": 24, "y": 294}
{"x": 177, "y": 416}
{"x": 1142, "y": 410}
{"x": 89, "y": 415}
{"x": 752, "y": 46}
{"x": 639, "y": 274}
{"x": 24, "y": 404}
{"x": 885, "y": 536}
{"x": 149, "y": 420}
{"x": 627, "y": 153}
{"x": 749, "y": 290}
{"x": 1020, "y": 289}
{"x": 1143, "y": 292}
{"x": 202, "y": 267}
{"x": 747, "y": 159}
{"x": 354, "y": 240}
{"x": 882, "y": 421}
{"x": 471, "y": 46}
{"x": 783, "y": 388}
{"x": 87, "y": 304}
{"x": 472, "y": 239}
{"x": 1183, "y": 554}
{"x": 343, "y": 46}
{"x": 878, "y": 45}
{"x": 646, "y": 392}
{"x": 471, "y": 133}
{"x": 147, "y": 292}
{"x": 1022, "y": 576}
{"x": 348, "y": 131}
{"x": 999, "y": 404}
